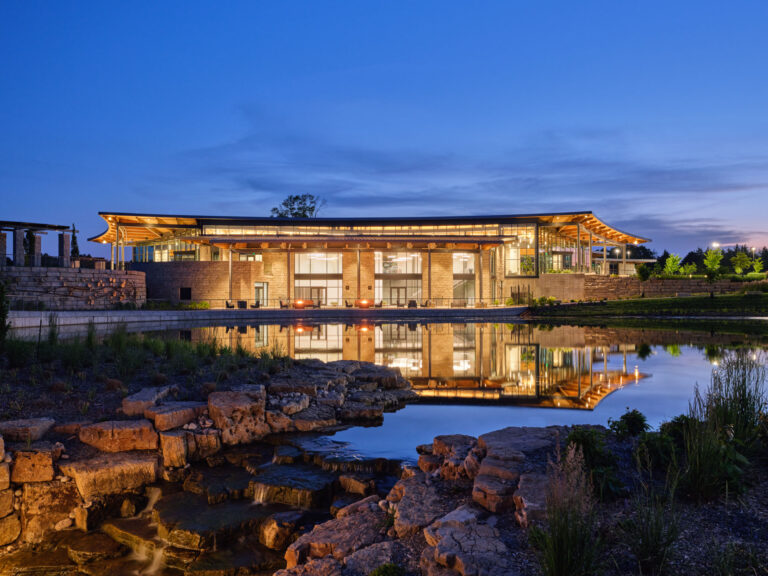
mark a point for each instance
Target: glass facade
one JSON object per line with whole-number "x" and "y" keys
{"x": 397, "y": 278}
{"x": 520, "y": 250}
{"x": 317, "y": 277}
{"x": 463, "y": 279}
{"x": 171, "y": 250}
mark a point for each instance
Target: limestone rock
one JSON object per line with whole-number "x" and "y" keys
{"x": 428, "y": 463}
{"x": 120, "y": 435}
{"x": 33, "y": 465}
{"x": 320, "y": 567}
{"x": 173, "y": 445}
{"x": 6, "y": 502}
{"x": 172, "y": 415}
{"x": 44, "y": 505}
{"x": 10, "y": 528}
{"x": 339, "y": 537}
{"x": 29, "y": 430}
{"x": 277, "y": 531}
{"x": 69, "y": 428}
{"x": 462, "y": 542}
{"x": 454, "y": 450}
{"x": 366, "y": 560}
{"x": 531, "y": 498}
{"x": 136, "y": 404}
{"x": 111, "y": 474}
{"x": 314, "y": 418}
{"x": 239, "y": 414}
{"x": 362, "y": 484}
{"x": 182, "y": 446}
{"x": 95, "y": 547}
{"x": 2, "y": 448}
{"x": 493, "y": 493}
{"x": 418, "y": 504}
{"x": 5, "y": 475}
{"x": 279, "y": 423}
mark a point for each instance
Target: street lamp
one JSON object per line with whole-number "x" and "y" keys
{"x": 715, "y": 244}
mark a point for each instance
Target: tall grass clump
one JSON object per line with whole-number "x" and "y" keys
{"x": 117, "y": 340}
{"x": 568, "y": 544}
{"x": 652, "y": 529}
{"x": 5, "y": 307}
{"x": 601, "y": 463}
{"x": 273, "y": 360}
{"x": 90, "y": 335}
{"x": 737, "y": 396}
{"x": 53, "y": 329}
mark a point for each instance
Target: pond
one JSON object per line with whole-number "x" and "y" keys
{"x": 477, "y": 377}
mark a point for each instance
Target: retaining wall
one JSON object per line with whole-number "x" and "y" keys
{"x": 73, "y": 288}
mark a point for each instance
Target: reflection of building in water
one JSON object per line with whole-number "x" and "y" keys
{"x": 558, "y": 367}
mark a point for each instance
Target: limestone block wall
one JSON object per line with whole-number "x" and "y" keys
{"x": 599, "y": 287}
{"x": 442, "y": 278}
{"x": 73, "y": 288}
{"x": 349, "y": 275}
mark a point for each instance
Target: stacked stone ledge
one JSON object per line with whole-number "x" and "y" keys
{"x": 43, "y": 489}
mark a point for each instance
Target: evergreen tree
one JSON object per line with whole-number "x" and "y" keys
{"x": 74, "y": 249}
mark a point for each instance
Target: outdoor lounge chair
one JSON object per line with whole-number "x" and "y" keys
{"x": 379, "y": 305}
{"x": 347, "y": 304}
{"x": 228, "y": 304}
{"x": 242, "y": 304}
{"x": 283, "y": 305}
{"x": 256, "y": 304}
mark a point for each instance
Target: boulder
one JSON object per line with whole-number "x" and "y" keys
{"x": 111, "y": 474}
{"x": 366, "y": 560}
{"x": 44, "y": 505}
{"x": 277, "y": 531}
{"x": 120, "y": 435}
{"x": 320, "y": 567}
{"x": 136, "y": 404}
{"x": 2, "y": 448}
{"x": 95, "y": 547}
{"x": 493, "y": 493}
{"x": 339, "y": 537}
{"x": 29, "y": 430}
{"x": 464, "y": 543}
{"x": 418, "y": 503}
{"x": 5, "y": 475}
{"x": 239, "y": 414}
{"x": 278, "y": 422}
{"x": 172, "y": 415}
{"x": 315, "y": 417}
{"x": 453, "y": 449}
{"x": 362, "y": 484}
{"x": 428, "y": 463}
{"x": 33, "y": 465}
{"x": 10, "y": 528}
{"x": 6, "y": 502}
{"x": 531, "y": 498}
{"x": 180, "y": 447}
{"x": 292, "y": 484}
{"x": 69, "y": 428}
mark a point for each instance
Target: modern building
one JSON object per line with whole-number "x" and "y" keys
{"x": 365, "y": 262}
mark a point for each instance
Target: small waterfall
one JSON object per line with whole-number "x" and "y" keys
{"x": 156, "y": 563}
{"x": 261, "y": 494}
{"x": 153, "y": 495}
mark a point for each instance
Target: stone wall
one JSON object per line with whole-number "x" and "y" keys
{"x": 73, "y": 288}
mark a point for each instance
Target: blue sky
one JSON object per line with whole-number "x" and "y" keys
{"x": 652, "y": 114}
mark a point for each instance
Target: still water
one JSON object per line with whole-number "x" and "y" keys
{"x": 474, "y": 378}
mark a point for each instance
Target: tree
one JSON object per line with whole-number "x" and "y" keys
{"x": 74, "y": 248}
{"x": 741, "y": 262}
{"x": 688, "y": 269}
{"x": 695, "y": 257}
{"x": 29, "y": 242}
{"x": 712, "y": 260}
{"x": 757, "y": 265}
{"x": 643, "y": 252}
{"x": 299, "y": 206}
{"x": 672, "y": 265}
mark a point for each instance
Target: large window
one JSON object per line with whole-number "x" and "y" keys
{"x": 318, "y": 277}
{"x": 520, "y": 250}
{"x": 463, "y": 279}
{"x": 557, "y": 252}
{"x": 398, "y": 278}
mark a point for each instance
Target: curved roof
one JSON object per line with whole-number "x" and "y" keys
{"x": 142, "y": 227}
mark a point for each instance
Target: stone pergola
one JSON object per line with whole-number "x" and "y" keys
{"x": 19, "y": 230}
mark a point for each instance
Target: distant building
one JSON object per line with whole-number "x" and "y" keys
{"x": 364, "y": 262}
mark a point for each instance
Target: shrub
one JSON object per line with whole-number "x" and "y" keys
{"x": 568, "y": 545}
{"x": 630, "y": 424}
{"x": 53, "y": 329}
{"x": 644, "y": 272}
{"x": 90, "y": 335}
{"x": 5, "y": 307}
{"x": 75, "y": 356}
{"x": 600, "y": 463}
{"x": 203, "y": 305}
{"x": 117, "y": 339}
{"x": 657, "y": 450}
{"x": 19, "y": 353}
{"x": 388, "y": 569}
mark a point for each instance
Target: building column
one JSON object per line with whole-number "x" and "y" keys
{"x": 37, "y": 246}
{"x": 230, "y": 272}
{"x": 3, "y": 247}
{"x": 623, "y": 259}
{"x": 605, "y": 257}
{"x": 480, "y": 273}
{"x": 589, "y": 262}
{"x": 578, "y": 247}
{"x": 64, "y": 250}
{"x": 18, "y": 247}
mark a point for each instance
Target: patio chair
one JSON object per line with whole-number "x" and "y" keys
{"x": 242, "y": 304}
{"x": 347, "y": 304}
{"x": 379, "y": 305}
{"x": 283, "y": 305}
{"x": 229, "y": 304}
{"x": 256, "y": 304}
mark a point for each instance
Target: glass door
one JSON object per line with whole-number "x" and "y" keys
{"x": 260, "y": 296}
{"x": 317, "y": 294}
{"x": 397, "y": 295}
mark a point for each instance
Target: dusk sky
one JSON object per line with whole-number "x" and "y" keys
{"x": 654, "y": 115}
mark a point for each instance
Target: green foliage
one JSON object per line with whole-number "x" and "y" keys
{"x": 735, "y": 559}
{"x": 672, "y": 265}
{"x": 568, "y": 544}
{"x": 652, "y": 529}
{"x": 388, "y": 569}
{"x": 741, "y": 262}
{"x": 53, "y": 329}
{"x": 630, "y": 424}
{"x": 90, "y": 335}
{"x": 299, "y": 206}
{"x": 74, "y": 248}
{"x": 737, "y": 396}
{"x": 19, "y": 352}
{"x": 658, "y": 450}
{"x": 757, "y": 265}
{"x": 713, "y": 465}
{"x": 712, "y": 261}
{"x": 688, "y": 269}
{"x": 644, "y": 272}
{"x": 75, "y": 356}
{"x": 673, "y": 350}
{"x": 644, "y": 351}
{"x": 202, "y": 305}
{"x": 117, "y": 340}
{"x": 600, "y": 462}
